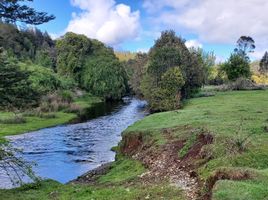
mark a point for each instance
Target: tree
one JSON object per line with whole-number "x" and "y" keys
{"x": 93, "y": 65}
{"x": 72, "y": 50}
{"x": 15, "y": 88}
{"x": 12, "y": 11}
{"x": 236, "y": 67}
{"x": 13, "y": 166}
{"x": 168, "y": 95}
{"x": 245, "y": 45}
{"x": 136, "y": 69}
{"x": 264, "y": 63}
{"x": 208, "y": 61}
{"x": 169, "y": 52}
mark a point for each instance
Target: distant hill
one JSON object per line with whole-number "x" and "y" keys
{"x": 125, "y": 55}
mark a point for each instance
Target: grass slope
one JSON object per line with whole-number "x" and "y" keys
{"x": 36, "y": 123}
{"x": 229, "y": 117}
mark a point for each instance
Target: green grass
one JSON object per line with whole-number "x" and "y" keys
{"x": 36, "y": 123}
{"x": 53, "y": 190}
{"x": 123, "y": 170}
{"x": 187, "y": 146}
{"x": 221, "y": 116}
{"x": 87, "y": 100}
{"x": 243, "y": 190}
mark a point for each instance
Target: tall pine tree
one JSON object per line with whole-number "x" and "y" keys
{"x": 12, "y": 11}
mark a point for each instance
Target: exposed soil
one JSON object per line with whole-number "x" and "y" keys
{"x": 163, "y": 163}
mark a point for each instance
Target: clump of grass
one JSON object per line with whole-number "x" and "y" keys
{"x": 189, "y": 143}
{"x": 73, "y": 108}
{"x": 123, "y": 170}
{"x": 17, "y": 119}
{"x": 38, "y": 113}
{"x": 240, "y": 142}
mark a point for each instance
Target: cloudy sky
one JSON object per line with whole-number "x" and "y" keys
{"x": 133, "y": 25}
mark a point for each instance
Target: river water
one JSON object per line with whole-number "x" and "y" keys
{"x": 65, "y": 152}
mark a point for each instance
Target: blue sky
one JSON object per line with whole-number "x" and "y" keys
{"x": 133, "y": 25}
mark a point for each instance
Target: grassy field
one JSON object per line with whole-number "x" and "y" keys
{"x": 109, "y": 187}
{"x": 35, "y": 123}
{"x": 238, "y": 122}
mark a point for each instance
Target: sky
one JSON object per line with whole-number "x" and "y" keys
{"x": 134, "y": 25}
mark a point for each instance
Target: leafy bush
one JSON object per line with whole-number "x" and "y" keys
{"x": 105, "y": 77}
{"x": 237, "y": 66}
{"x": 167, "y": 96}
{"x": 169, "y": 52}
{"x": 45, "y": 80}
{"x": 16, "y": 91}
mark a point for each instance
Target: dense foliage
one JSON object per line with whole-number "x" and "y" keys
{"x": 168, "y": 52}
{"x": 28, "y": 44}
{"x": 72, "y": 50}
{"x": 15, "y": 87}
{"x": 237, "y": 66}
{"x": 92, "y": 64}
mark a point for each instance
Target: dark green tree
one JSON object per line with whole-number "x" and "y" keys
{"x": 15, "y": 88}
{"x": 236, "y": 67}
{"x": 264, "y": 63}
{"x": 105, "y": 77}
{"x": 12, "y": 11}
{"x": 168, "y": 95}
{"x": 72, "y": 51}
{"x": 168, "y": 52}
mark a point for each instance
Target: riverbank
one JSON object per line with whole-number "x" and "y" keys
{"x": 33, "y": 123}
{"x": 214, "y": 148}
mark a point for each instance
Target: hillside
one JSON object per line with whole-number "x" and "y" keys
{"x": 124, "y": 55}
{"x": 213, "y": 148}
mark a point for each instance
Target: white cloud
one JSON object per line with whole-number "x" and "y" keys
{"x": 105, "y": 20}
{"x": 193, "y": 43}
{"x": 215, "y": 21}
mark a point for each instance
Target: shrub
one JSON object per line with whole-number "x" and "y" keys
{"x": 236, "y": 67}
{"x": 167, "y": 96}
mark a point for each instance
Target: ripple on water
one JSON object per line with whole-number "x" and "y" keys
{"x": 64, "y": 152}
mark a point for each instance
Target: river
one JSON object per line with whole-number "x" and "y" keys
{"x": 65, "y": 152}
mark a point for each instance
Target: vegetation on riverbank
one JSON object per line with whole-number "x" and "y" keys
{"x": 43, "y": 120}
{"x": 236, "y": 122}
